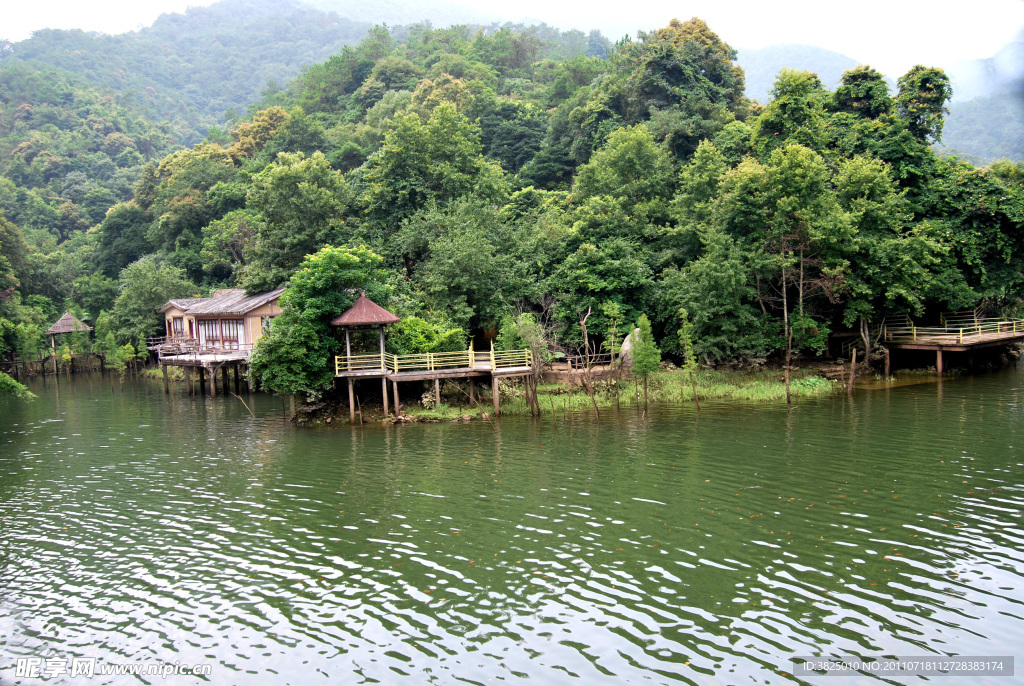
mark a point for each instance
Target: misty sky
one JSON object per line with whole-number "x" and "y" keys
{"x": 891, "y": 35}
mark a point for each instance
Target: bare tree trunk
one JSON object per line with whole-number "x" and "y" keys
{"x": 789, "y": 333}
{"x": 853, "y": 371}
{"x": 588, "y": 375}
{"x": 865, "y": 335}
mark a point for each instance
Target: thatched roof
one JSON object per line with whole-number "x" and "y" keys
{"x": 67, "y": 324}
{"x": 365, "y": 312}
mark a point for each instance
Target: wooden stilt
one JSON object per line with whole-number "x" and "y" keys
{"x": 938, "y": 362}
{"x": 394, "y": 385}
{"x": 167, "y": 387}
{"x": 495, "y": 396}
{"x": 213, "y": 382}
{"x": 236, "y": 379}
{"x": 351, "y": 403}
{"x": 437, "y": 393}
{"x": 887, "y": 364}
{"x": 224, "y": 379}
{"x": 202, "y": 380}
{"x": 384, "y": 393}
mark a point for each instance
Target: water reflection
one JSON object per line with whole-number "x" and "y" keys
{"x": 710, "y": 549}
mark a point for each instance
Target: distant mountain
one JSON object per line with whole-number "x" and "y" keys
{"x": 189, "y": 69}
{"x": 762, "y": 66}
{"x": 404, "y": 12}
{"x": 986, "y": 129}
{"x": 1000, "y": 74}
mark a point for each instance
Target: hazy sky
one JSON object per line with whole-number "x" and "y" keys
{"x": 891, "y": 35}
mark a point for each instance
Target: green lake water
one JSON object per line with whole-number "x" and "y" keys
{"x": 677, "y": 548}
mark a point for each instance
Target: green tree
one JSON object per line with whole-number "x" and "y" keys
{"x": 438, "y": 160}
{"x": 11, "y": 388}
{"x": 144, "y": 286}
{"x": 297, "y": 355}
{"x": 303, "y": 204}
{"x": 644, "y": 353}
{"x": 921, "y": 101}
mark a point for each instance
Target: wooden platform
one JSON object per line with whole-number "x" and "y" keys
{"x": 468, "y": 364}
{"x": 954, "y": 337}
{"x": 186, "y": 353}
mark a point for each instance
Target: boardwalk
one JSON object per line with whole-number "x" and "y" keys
{"x": 954, "y": 336}
{"x": 433, "y": 367}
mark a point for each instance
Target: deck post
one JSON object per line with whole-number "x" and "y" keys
{"x": 167, "y": 387}
{"x": 394, "y": 385}
{"x": 202, "y": 380}
{"x": 351, "y": 403}
{"x": 495, "y": 395}
{"x": 224, "y": 379}
{"x": 472, "y": 387}
{"x": 236, "y": 378}
{"x": 384, "y": 393}
{"x": 938, "y": 362}
{"x": 213, "y": 382}
{"x": 437, "y": 393}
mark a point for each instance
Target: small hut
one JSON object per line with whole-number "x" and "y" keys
{"x": 69, "y": 323}
{"x": 366, "y": 314}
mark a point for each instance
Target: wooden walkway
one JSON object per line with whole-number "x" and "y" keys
{"x": 954, "y": 336}
{"x": 433, "y": 367}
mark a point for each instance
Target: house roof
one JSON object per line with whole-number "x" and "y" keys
{"x": 224, "y": 301}
{"x": 181, "y": 303}
{"x": 67, "y": 324}
{"x": 233, "y": 301}
{"x": 365, "y": 312}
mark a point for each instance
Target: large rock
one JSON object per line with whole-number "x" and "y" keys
{"x": 625, "y": 361}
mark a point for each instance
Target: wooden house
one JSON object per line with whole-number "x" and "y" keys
{"x": 229, "y": 320}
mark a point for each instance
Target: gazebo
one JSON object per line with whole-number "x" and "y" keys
{"x": 69, "y": 323}
{"x": 365, "y": 314}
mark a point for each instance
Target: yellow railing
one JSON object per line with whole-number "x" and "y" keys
{"x": 502, "y": 359}
{"x": 358, "y": 363}
{"x": 428, "y": 362}
{"x": 1009, "y": 326}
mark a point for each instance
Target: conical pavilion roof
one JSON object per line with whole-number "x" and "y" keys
{"x": 365, "y": 312}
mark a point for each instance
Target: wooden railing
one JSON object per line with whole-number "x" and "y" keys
{"x": 912, "y": 332}
{"x": 429, "y": 362}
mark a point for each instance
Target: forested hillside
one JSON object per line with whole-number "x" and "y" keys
{"x": 505, "y": 182}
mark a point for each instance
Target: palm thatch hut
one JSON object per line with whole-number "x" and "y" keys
{"x": 69, "y": 323}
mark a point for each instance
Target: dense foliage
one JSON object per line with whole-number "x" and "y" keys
{"x": 470, "y": 177}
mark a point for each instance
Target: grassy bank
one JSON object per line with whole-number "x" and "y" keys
{"x": 667, "y": 386}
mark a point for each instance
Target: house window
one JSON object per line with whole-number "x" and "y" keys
{"x": 178, "y": 325}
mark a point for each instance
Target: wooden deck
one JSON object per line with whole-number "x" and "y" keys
{"x": 954, "y": 336}
{"x": 189, "y": 354}
{"x": 464, "y": 364}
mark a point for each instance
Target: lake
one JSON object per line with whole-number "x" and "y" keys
{"x": 710, "y": 548}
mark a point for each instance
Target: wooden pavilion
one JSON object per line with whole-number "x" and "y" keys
{"x": 468, "y": 364}
{"x": 69, "y": 323}
{"x": 366, "y": 315}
